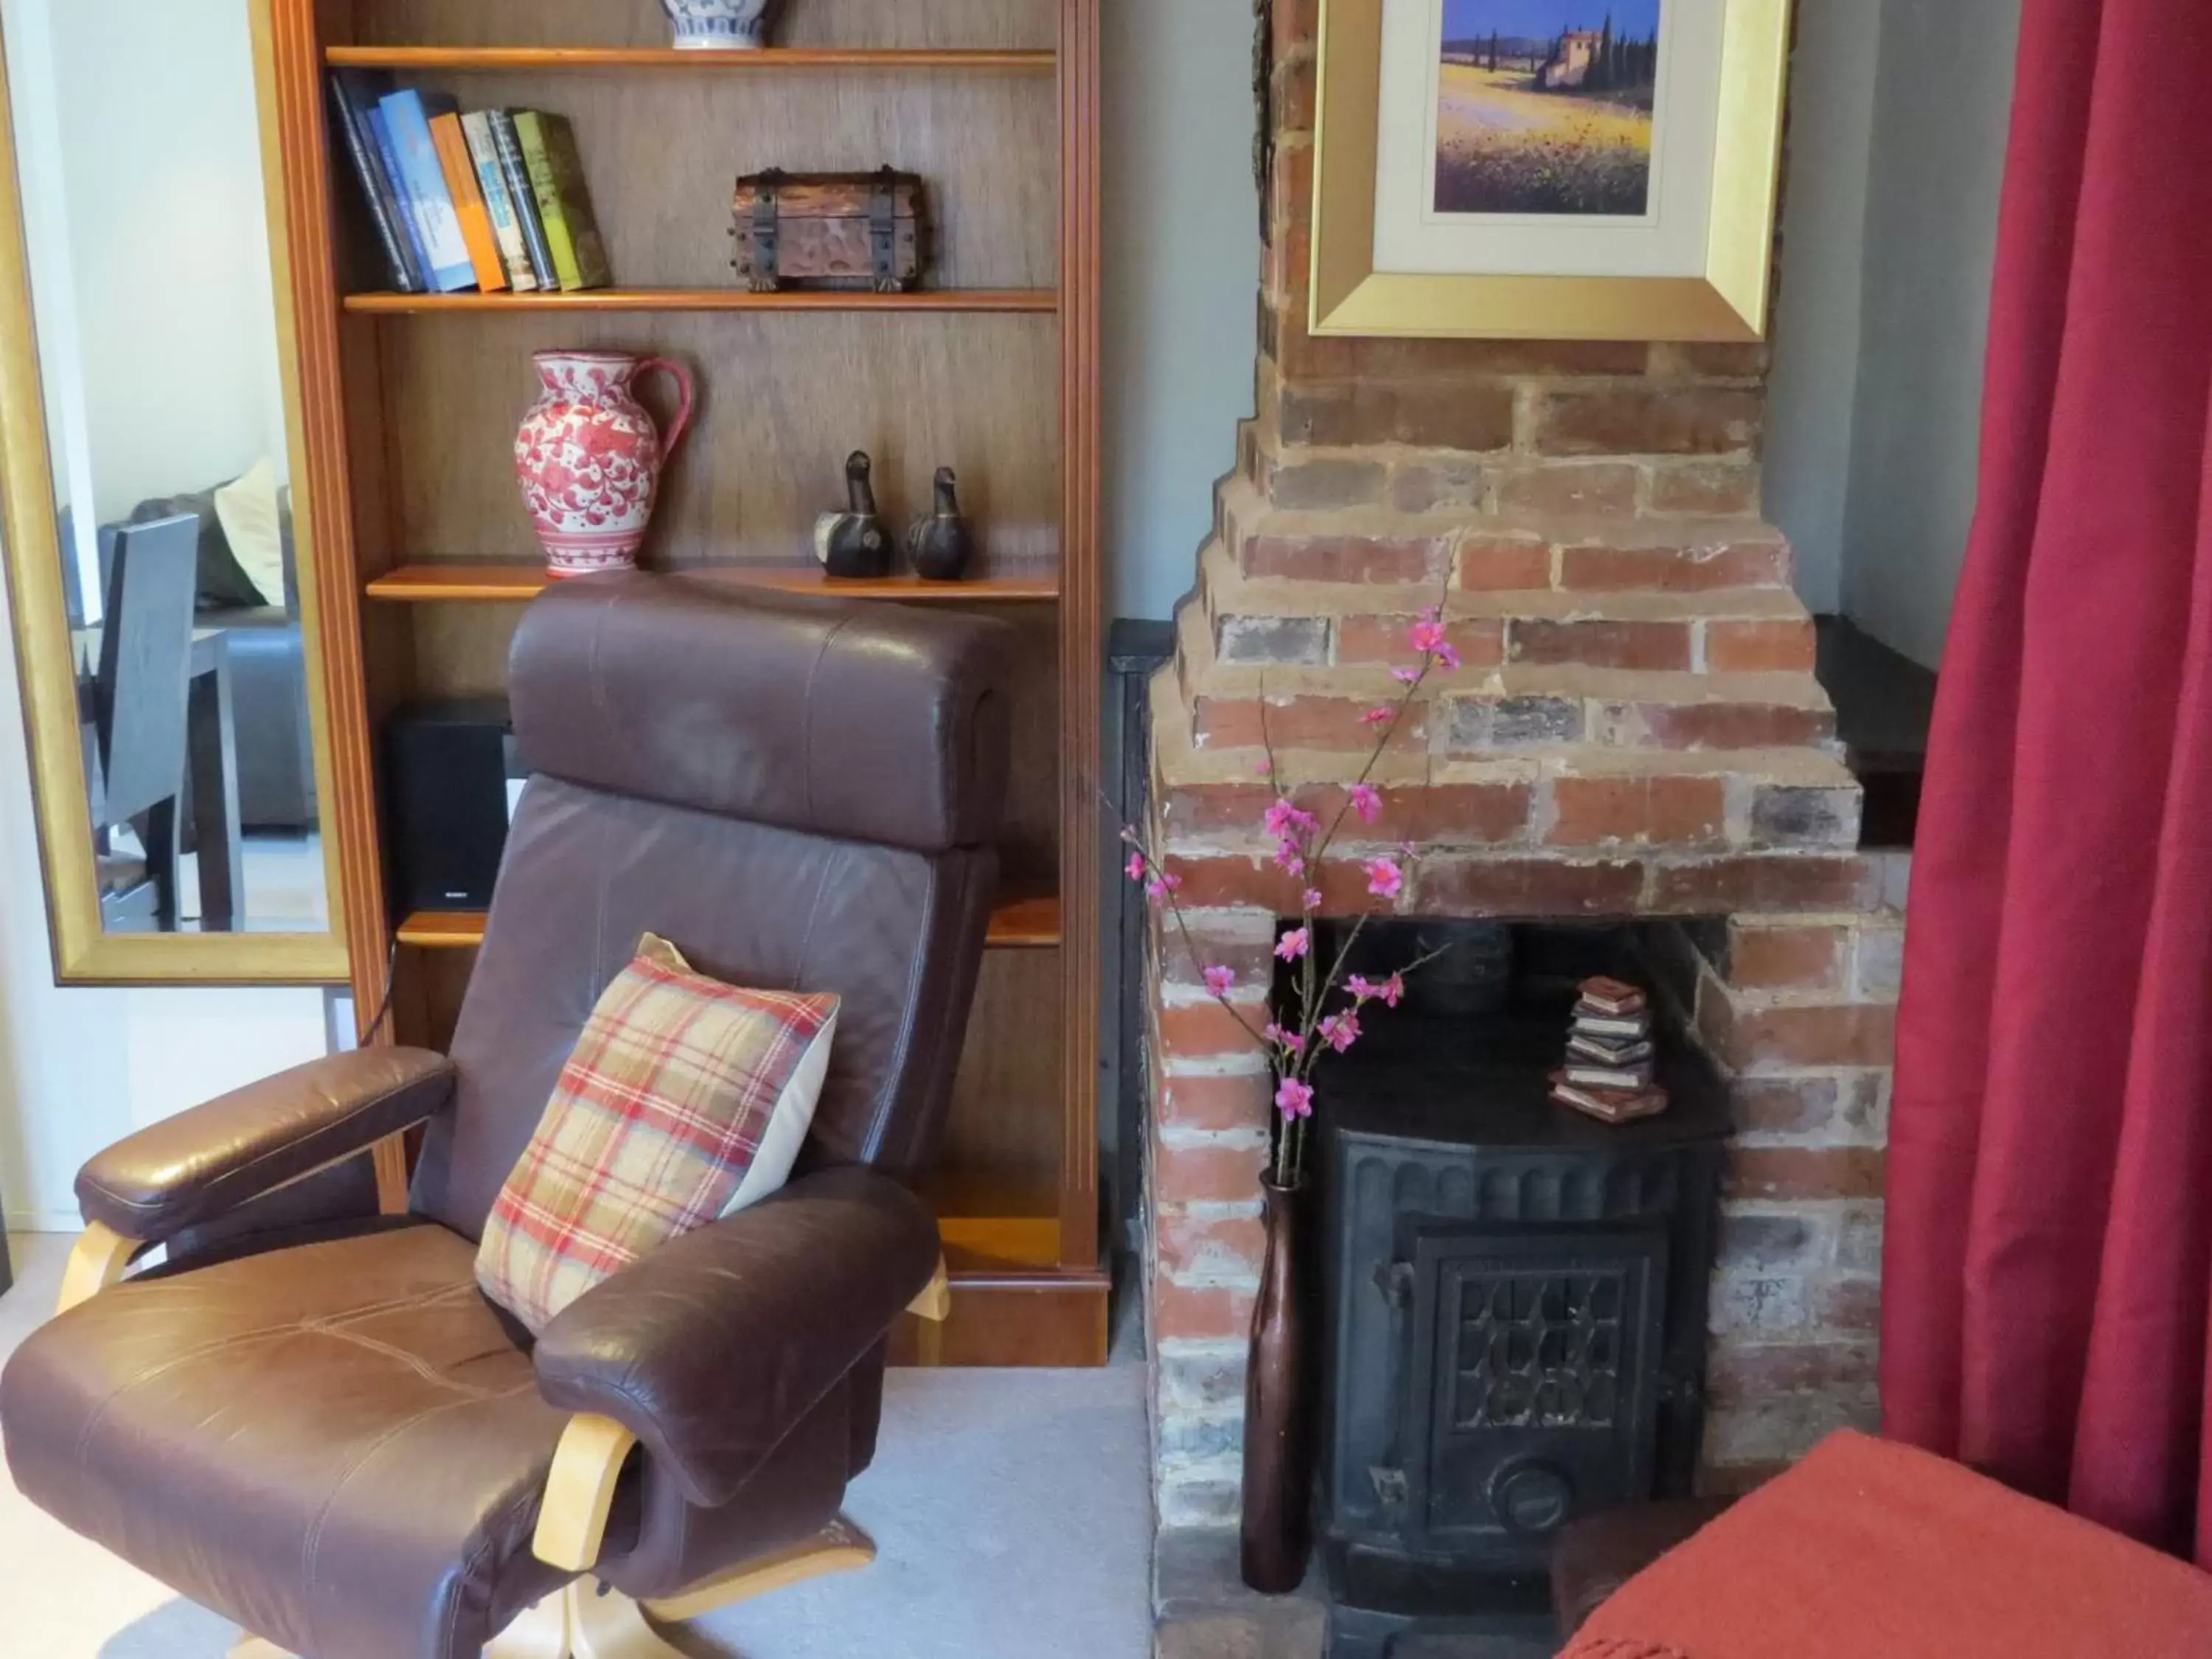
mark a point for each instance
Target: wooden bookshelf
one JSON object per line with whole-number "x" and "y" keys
{"x": 429, "y": 584}
{"x": 412, "y": 406}
{"x": 462, "y": 60}
{"x": 1017, "y": 924}
{"x": 1031, "y": 301}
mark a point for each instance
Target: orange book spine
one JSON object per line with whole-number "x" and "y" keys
{"x": 460, "y": 172}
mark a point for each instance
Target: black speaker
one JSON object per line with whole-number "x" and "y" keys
{"x": 451, "y": 781}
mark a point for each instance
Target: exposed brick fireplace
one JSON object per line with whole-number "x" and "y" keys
{"x": 1638, "y": 733}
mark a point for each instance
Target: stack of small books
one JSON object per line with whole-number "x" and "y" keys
{"x": 1610, "y": 1058}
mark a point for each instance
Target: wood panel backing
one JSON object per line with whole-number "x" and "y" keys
{"x": 1005, "y": 1133}
{"x": 436, "y": 981}
{"x": 1017, "y": 1319}
{"x": 783, "y": 400}
{"x": 1027, "y": 23}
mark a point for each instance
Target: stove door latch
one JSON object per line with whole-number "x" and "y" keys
{"x": 1390, "y": 1488}
{"x": 1395, "y": 1279}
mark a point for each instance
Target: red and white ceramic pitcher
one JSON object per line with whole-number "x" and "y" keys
{"x": 590, "y": 458}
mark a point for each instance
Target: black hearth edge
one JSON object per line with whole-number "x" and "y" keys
{"x": 1514, "y": 1301}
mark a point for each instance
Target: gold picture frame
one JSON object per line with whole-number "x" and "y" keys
{"x": 1728, "y": 302}
{"x": 85, "y": 951}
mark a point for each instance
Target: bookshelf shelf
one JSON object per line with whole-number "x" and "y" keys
{"x": 431, "y": 584}
{"x": 1017, "y": 924}
{"x": 1014, "y": 300}
{"x": 494, "y": 59}
{"x": 417, "y": 532}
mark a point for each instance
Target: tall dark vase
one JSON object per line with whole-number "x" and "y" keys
{"x": 1278, "y": 1535}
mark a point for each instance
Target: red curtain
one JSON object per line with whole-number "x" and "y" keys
{"x": 2048, "y": 1274}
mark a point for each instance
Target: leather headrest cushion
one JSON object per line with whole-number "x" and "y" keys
{"x": 867, "y": 722}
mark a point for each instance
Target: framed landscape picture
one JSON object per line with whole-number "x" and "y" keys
{"x": 1550, "y": 169}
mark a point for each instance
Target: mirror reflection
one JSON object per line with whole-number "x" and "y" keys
{"x": 139, "y": 156}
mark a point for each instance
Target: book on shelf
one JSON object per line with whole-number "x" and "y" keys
{"x": 514, "y": 170}
{"x": 564, "y": 201}
{"x": 424, "y": 177}
{"x": 353, "y": 96}
{"x": 499, "y": 202}
{"x": 461, "y": 170}
{"x": 379, "y": 129}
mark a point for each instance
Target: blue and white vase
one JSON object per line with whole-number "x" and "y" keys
{"x": 720, "y": 25}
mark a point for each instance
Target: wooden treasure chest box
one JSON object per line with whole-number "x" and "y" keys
{"x": 842, "y": 231}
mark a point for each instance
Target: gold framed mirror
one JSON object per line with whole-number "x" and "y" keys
{"x": 162, "y": 566}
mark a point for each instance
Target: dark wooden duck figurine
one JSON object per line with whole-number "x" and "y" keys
{"x": 939, "y": 542}
{"x": 855, "y": 542}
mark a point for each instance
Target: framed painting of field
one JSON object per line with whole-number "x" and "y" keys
{"x": 1547, "y": 169}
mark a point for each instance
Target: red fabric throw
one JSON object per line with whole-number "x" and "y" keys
{"x": 1869, "y": 1550}
{"x": 2048, "y": 1274}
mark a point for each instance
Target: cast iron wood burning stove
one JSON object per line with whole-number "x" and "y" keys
{"x": 1514, "y": 1305}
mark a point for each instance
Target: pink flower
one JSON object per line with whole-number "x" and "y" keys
{"x": 1136, "y": 866}
{"x": 1281, "y": 1038}
{"x": 1377, "y": 716}
{"x": 1390, "y": 992}
{"x": 1294, "y": 944}
{"x": 1384, "y": 878}
{"x": 1287, "y": 822}
{"x": 1160, "y": 885}
{"x": 1264, "y": 768}
{"x": 1406, "y": 675}
{"x": 1448, "y": 654}
{"x": 1220, "y": 981}
{"x": 1367, "y": 801}
{"x": 1312, "y": 898}
{"x": 1426, "y": 637}
{"x": 1294, "y": 1099}
{"x": 1289, "y": 859}
{"x": 1340, "y": 1031}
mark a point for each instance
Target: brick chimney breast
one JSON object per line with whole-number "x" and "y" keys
{"x": 1637, "y": 731}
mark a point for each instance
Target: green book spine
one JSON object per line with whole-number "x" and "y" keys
{"x": 564, "y": 203}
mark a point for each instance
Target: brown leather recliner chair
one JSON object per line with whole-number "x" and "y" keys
{"x": 331, "y": 1436}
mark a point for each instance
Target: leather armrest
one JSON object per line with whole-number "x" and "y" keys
{"x": 711, "y": 1349}
{"x": 186, "y": 1171}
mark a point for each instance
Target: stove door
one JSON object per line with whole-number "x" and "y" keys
{"x": 1534, "y": 1378}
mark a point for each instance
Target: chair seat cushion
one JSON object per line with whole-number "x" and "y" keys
{"x": 340, "y": 1445}
{"x": 1868, "y": 1550}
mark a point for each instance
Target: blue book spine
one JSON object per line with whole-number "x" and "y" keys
{"x": 445, "y": 253}
{"x": 379, "y": 133}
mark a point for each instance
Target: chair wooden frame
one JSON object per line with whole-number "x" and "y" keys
{"x": 583, "y": 1619}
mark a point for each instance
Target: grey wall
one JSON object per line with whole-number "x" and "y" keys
{"x": 1942, "y": 116}
{"x": 1899, "y": 119}
{"x": 1811, "y": 397}
{"x": 1182, "y": 281}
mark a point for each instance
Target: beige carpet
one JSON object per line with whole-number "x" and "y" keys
{"x": 1011, "y": 1509}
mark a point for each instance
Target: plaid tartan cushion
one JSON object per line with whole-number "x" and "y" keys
{"x": 684, "y": 1100}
